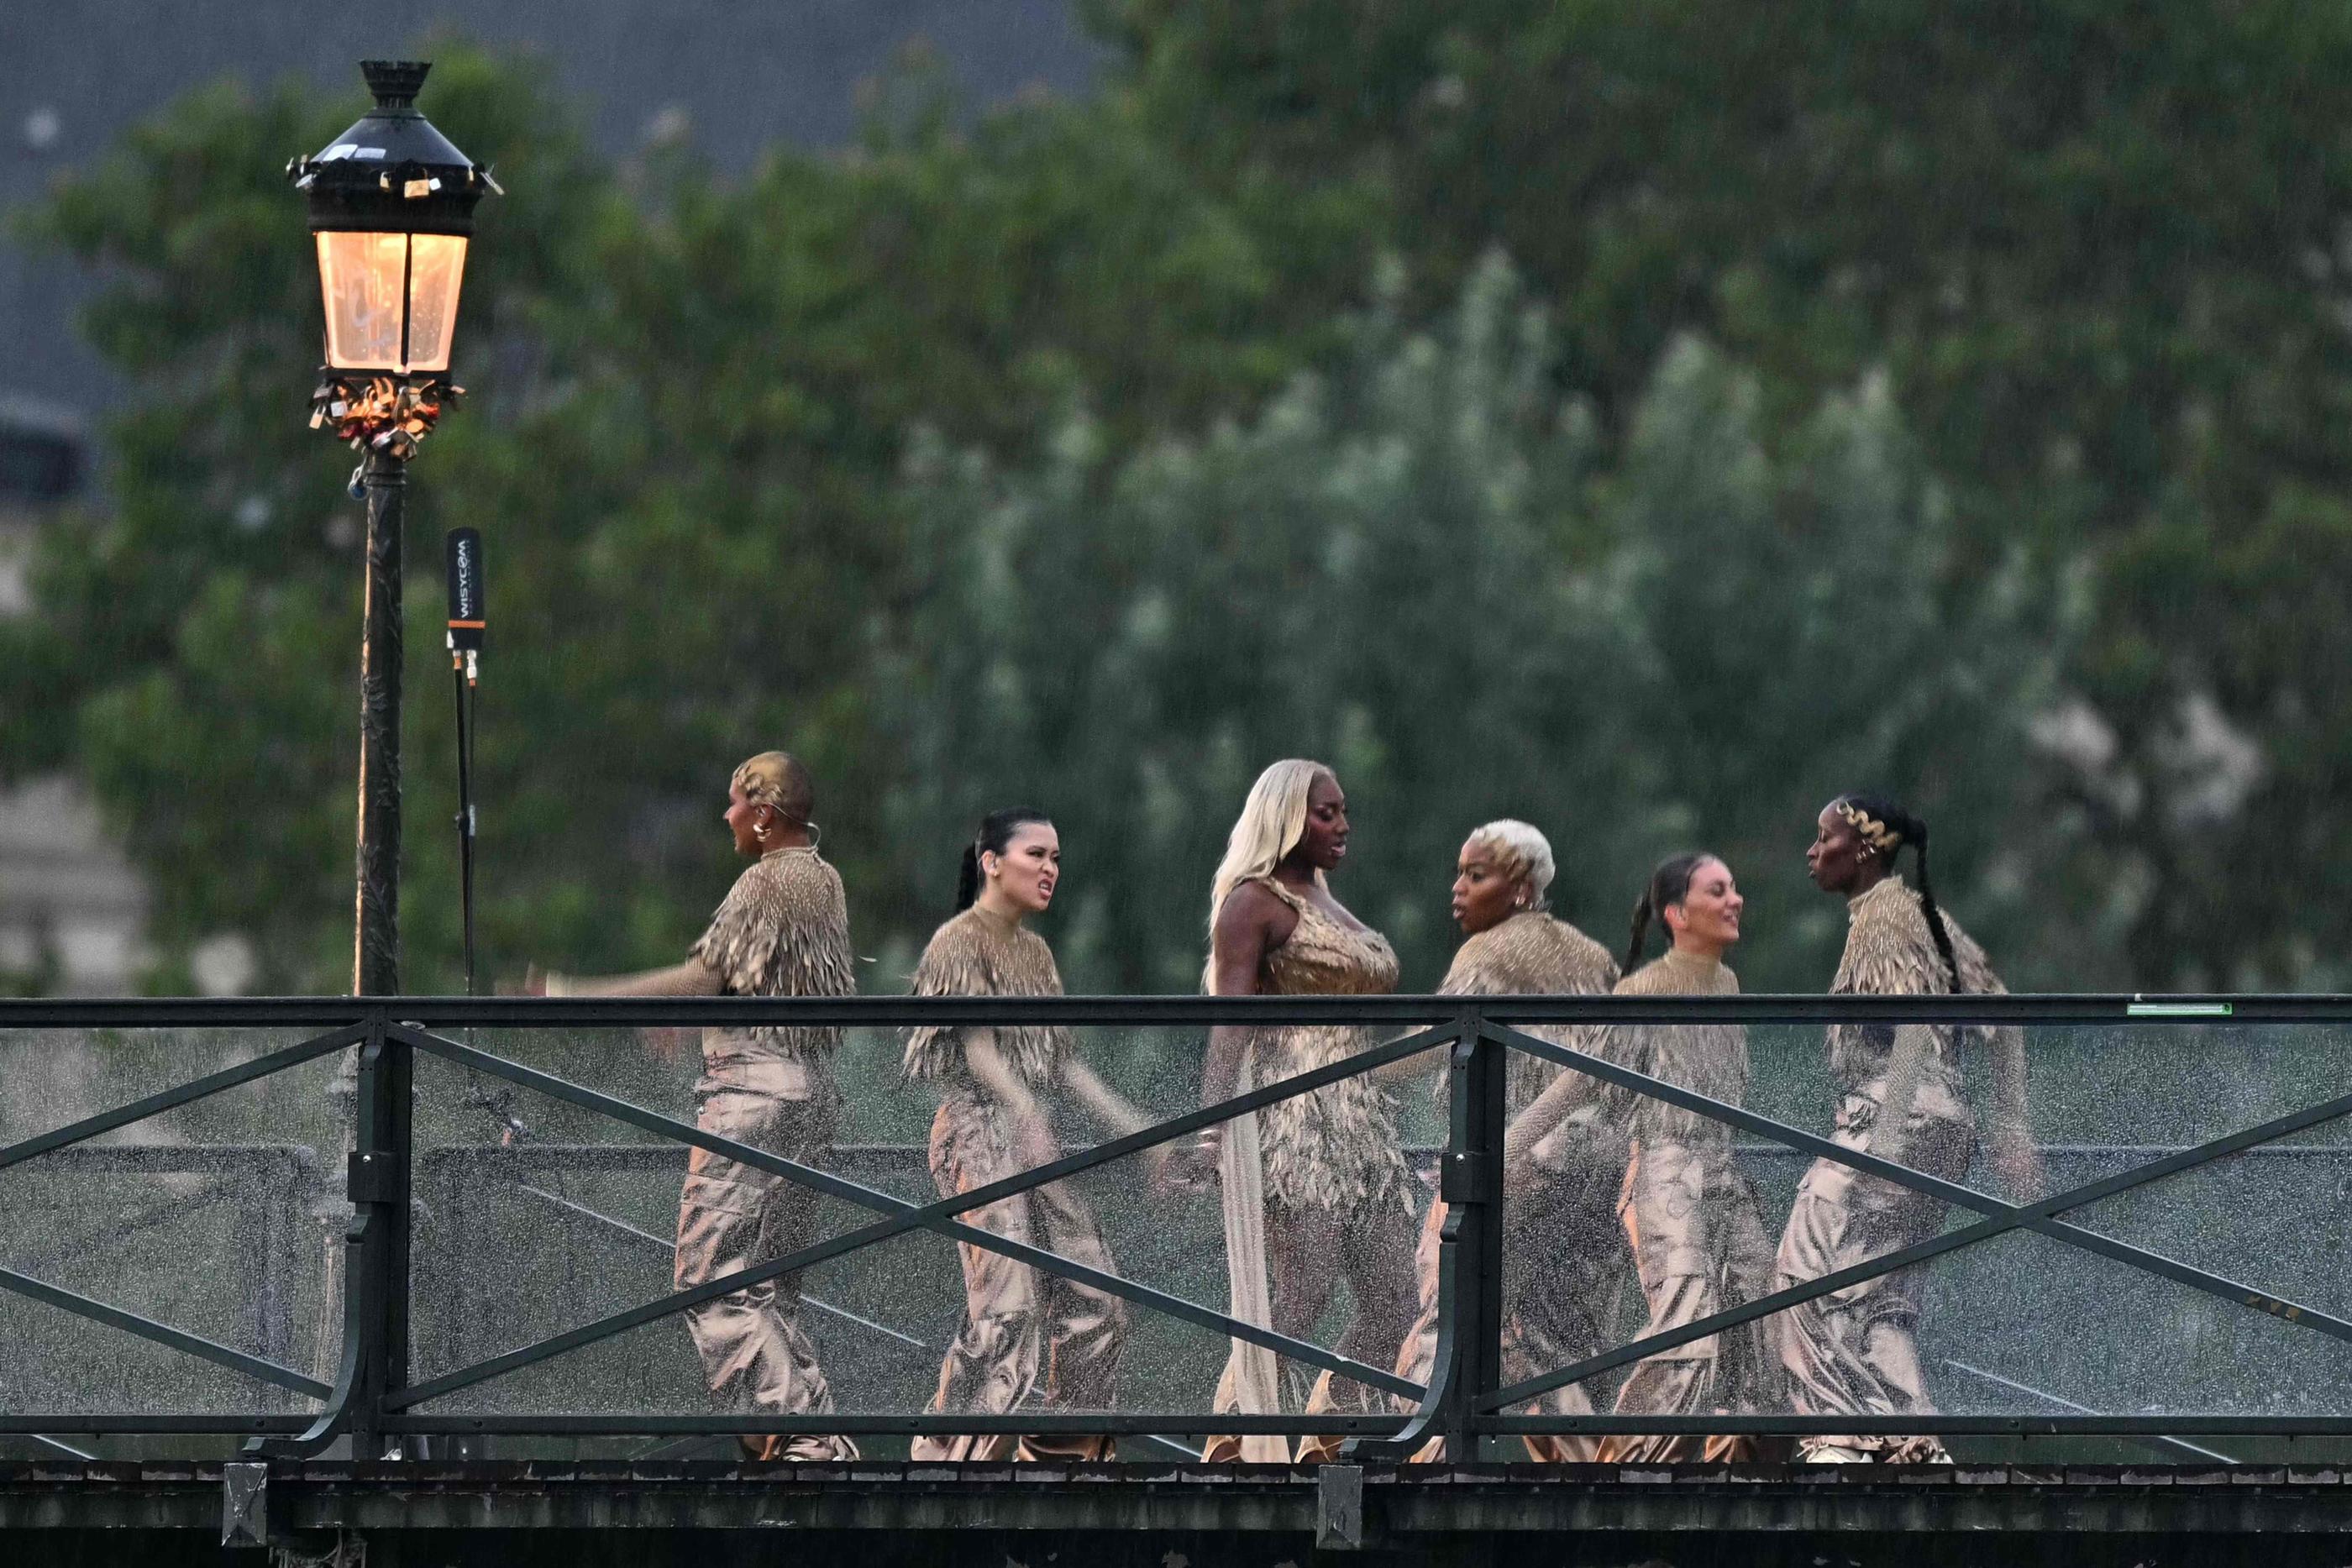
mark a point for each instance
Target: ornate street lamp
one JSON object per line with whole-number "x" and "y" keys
{"x": 391, "y": 207}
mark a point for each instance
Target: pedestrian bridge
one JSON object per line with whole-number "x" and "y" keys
{"x": 395, "y": 1270}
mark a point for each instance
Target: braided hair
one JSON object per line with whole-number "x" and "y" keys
{"x": 1885, "y": 827}
{"x": 996, "y": 830}
{"x": 1669, "y": 884}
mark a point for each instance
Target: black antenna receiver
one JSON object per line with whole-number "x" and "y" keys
{"x": 469, "y": 622}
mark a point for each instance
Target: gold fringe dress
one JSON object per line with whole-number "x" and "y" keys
{"x": 1855, "y": 1350}
{"x": 783, "y": 931}
{"x": 1339, "y": 1199}
{"x": 1027, "y": 1337}
{"x": 1691, "y": 1218}
{"x": 1564, "y": 1258}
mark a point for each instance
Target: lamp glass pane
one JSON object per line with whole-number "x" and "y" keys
{"x": 361, "y": 277}
{"x": 436, "y": 268}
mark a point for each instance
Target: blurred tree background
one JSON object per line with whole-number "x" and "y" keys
{"x": 1647, "y": 419}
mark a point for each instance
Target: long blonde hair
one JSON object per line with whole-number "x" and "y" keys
{"x": 1272, "y": 821}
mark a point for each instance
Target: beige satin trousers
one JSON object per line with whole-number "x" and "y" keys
{"x": 1028, "y": 1338}
{"x": 755, "y": 1355}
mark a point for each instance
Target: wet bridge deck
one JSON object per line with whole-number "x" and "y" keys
{"x": 586, "y": 1513}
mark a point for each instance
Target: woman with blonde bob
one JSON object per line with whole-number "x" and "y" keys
{"x": 1315, "y": 1188}
{"x": 1564, "y": 1258}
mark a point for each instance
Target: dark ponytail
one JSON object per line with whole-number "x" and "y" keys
{"x": 1670, "y": 884}
{"x": 1906, "y": 828}
{"x": 996, "y": 830}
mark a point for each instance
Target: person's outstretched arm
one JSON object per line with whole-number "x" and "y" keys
{"x": 692, "y": 978}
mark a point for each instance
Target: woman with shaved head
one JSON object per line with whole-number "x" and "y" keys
{"x": 783, "y": 931}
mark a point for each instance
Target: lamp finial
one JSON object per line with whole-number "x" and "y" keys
{"x": 396, "y": 83}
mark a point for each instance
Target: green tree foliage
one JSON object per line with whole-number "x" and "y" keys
{"x": 1641, "y": 548}
{"x": 695, "y": 396}
{"x": 1413, "y": 568}
{"x": 2099, "y": 248}
{"x": 196, "y": 636}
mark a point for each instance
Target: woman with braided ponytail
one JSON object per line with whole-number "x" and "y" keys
{"x": 1855, "y": 1350}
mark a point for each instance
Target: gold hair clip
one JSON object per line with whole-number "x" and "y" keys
{"x": 1875, "y": 833}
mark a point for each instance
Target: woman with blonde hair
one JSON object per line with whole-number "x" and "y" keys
{"x": 1564, "y": 1258}
{"x": 1315, "y": 1186}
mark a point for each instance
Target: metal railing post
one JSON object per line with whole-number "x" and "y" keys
{"x": 1467, "y": 1362}
{"x": 1472, "y": 1185}
{"x": 379, "y": 1250}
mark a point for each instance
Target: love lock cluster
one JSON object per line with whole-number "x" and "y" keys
{"x": 391, "y": 414}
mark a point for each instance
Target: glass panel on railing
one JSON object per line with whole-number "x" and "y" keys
{"x": 221, "y": 1218}
{"x": 2017, "y": 1324}
{"x": 565, "y": 1223}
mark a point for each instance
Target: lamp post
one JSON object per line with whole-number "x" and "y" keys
{"x": 390, "y": 207}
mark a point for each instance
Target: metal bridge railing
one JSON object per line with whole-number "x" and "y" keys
{"x": 374, "y": 1401}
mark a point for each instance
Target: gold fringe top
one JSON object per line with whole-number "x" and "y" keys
{"x": 783, "y": 931}
{"x": 1529, "y": 955}
{"x": 1709, "y": 1059}
{"x": 976, "y": 953}
{"x": 1889, "y": 952}
{"x": 1336, "y": 1147}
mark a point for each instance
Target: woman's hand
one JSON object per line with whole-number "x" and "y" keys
{"x": 1520, "y": 1176}
{"x": 1033, "y": 1144}
{"x": 2018, "y": 1163}
{"x": 1187, "y": 1164}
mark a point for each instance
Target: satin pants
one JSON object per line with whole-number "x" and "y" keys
{"x": 1564, "y": 1266}
{"x": 1699, "y": 1248}
{"x": 1028, "y": 1338}
{"x": 1856, "y": 1350}
{"x": 755, "y": 1355}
